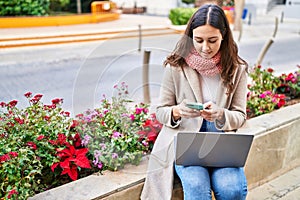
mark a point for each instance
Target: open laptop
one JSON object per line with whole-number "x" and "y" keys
{"x": 212, "y": 149}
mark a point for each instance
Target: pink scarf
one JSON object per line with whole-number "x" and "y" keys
{"x": 206, "y": 67}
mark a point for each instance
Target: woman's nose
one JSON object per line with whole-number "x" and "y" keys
{"x": 205, "y": 46}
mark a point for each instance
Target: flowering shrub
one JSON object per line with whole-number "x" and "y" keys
{"x": 42, "y": 147}
{"x": 31, "y": 141}
{"x": 290, "y": 84}
{"x": 111, "y": 132}
{"x": 268, "y": 92}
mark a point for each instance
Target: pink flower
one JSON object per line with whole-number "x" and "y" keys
{"x": 138, "y": 110}
{"x": 114, "y": 155}
{"x": 116, "y": 134}
{"x": 263, "y": 95}
{"x": 132, "y": 117}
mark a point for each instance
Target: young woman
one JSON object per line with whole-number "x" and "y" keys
{"x": 204, "y": 67}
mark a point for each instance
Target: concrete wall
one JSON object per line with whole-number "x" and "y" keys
{"x": 275, "y": 150}
{"x": 262, "y": 6}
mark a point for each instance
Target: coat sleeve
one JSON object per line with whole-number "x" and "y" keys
{"x": 235, "y": 113}
{"x": 167, "y": 99}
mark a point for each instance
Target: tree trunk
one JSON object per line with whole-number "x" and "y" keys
{"x": 199, "y": 3}
{"x": 78, "y": 2}
{"x": 238, "y": 8}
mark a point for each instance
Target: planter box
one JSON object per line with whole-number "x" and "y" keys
{"x": 275, "y": 150}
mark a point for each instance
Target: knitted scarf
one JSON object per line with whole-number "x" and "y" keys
{"x": 206, "y": 67}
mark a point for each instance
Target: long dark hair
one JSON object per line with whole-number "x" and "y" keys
{"x": 230, "y": 60}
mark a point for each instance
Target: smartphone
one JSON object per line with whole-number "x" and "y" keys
{"x": 194, "y": 105}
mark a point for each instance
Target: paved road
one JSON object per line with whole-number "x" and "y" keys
{"x": 80, "y": 73}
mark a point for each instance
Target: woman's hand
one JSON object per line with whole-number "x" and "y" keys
{"x": 212, "y": 112}
{"x": 182, "y": 110}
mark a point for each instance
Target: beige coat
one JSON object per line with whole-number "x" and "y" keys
{"x": 179, "y": 84}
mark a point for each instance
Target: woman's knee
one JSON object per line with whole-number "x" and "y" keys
{"x": 229, "y": 184}
{"x": 231, "y": 192}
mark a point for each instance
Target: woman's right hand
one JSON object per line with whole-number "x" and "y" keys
{"x": 182, "y": 110}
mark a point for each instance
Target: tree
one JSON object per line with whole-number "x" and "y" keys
{"x": 239, "y": 8}
{"x": 78, "y": 3}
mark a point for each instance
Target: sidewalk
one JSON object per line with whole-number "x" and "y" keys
{"x": 128, "y": 25}
{"x": 285, "y": 187}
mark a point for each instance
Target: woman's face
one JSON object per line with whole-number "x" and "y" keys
{"x": 207, "y": 40}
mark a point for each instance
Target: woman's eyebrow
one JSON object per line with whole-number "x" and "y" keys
{"x": 213, "y": 37}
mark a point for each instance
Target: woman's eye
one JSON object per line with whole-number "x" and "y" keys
{"x": 212, "y": 41}
{"x": 199, "y": 41}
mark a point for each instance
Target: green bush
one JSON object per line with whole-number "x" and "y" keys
{"x": 24, "y": 7}
{"x": 59, "y": 5}
{"x": 188, "y": 1}
{"x": 180, "y": 16}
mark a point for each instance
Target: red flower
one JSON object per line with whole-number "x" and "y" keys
{"x": 13, "y": 154}
{"x": 77, "y": 140}
{"x": 10, "y": 124}
{"x": 32, "y": 145}
{"x": 47, "y": 118}
{"x": 62, "y": 139}
{"x": 74, "y": 124}
{"x": 12, "y": 192}
{"x": 2, "y": 104}
{"x": 71, "y": 159}
{"x": 57, "y": 101}
{"x": 36, "y": 98}
{"x": 80, "y": 115}
{"x": 28, "y": 94}
{"x": 40, "y": 137}
{"x": 20, "y": 121}
{"x": 270, "y": 70}
{"x": 53, "y": 142}
{"x": 281, "y": 103}
{"x": 152, "y": 136}
{"x": 4, "y": 158}
{"x": 12, "y": 103}
{"x": 66, "y": 114}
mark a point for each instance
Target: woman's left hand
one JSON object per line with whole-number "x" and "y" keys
{"x": 211, "y": 112}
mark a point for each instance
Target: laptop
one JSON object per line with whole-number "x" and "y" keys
{"x": 212, "y": 149}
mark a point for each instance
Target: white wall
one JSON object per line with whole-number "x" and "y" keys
{"x": 262, "y": 6}
{"x": 155, "y": 7}
{"x": 160, "y": 7}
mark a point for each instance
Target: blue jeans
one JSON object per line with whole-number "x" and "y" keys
{"x": 198, "y": 182}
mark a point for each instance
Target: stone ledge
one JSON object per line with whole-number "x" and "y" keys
{"x": 275, "y": 150}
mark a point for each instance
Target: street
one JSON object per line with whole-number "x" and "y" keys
{"x": 81, "y": 73}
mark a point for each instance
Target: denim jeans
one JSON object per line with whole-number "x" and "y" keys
{"x": 227, "y": 183}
